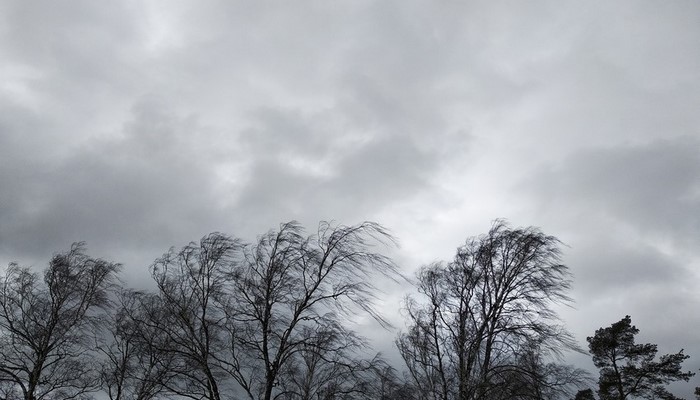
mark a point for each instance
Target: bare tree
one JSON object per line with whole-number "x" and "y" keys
{"x": 138, "y": 357}
{"x": 191, "y": 286}
{"x": 585, "y": 394}
{"x": 533, "y": 377}
{"x": 46, "y": 328}
{"x": 482, "y": 311}
{"x": 389, "y": 385}
{"x": 261, "y": 320}
{"x": 332, "y": 364}
{"x": 425, "y": 348}
{"x": 288, "y": 296}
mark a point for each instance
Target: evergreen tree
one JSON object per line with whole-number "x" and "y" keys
{"x": 629, "y": 370}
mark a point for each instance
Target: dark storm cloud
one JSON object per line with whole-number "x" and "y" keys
{"x": 309, "y": 166}
{"x": 86, "y": 157}
{"x": 653, "y": 187}
{"x": 128, "y": 128}
{"x": 605, "y": 267}
{"x": 632, "y": 217}
{"x": 142, "y": 190}
{"x": 77, "y": 58}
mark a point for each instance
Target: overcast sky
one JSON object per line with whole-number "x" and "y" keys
{"x": 140, "y": 125}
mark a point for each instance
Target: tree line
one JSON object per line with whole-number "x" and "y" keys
{"x": 269, "y": 320}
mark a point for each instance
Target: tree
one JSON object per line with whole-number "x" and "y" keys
{"x": 482, "y": 311}
{"x": 534, "y": 378}
{"x": 138, "y": 361}
{"x": 328, "y": 365}
{"x": 391, "y": 386}
{"x": 286, "y": 303}
{"x": 190, "y": 319}
{"x": 629, "y": 370}
{"x": 586, "y": 394}
{"x": 264, "y": 320}
{"x": 47, "y": 328}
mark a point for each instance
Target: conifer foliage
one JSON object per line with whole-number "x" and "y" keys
{"x": 629, "y": 370}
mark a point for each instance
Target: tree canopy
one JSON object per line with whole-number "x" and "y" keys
{"x": 484, "y": 326}
{"x": 630, "y": 370}
{"x": 272, "y": 319}
{"x": 46, "y": 326}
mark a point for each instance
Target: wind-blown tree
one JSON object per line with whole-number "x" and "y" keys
{"x": 389, "y": 385}
{"x": 137, "y": 356}
{"x": 328, "y": 365}
{"x": 629, "y": 370}
{"x": 263, "y": 320}
{"x": 190, "y": 319}
{"x": 585, "y": 394}
{"x": 480, "y": 313}
{"x": 47, "y": 327}
{"x": 534, "y": 378}
{"x": 286, "y": 304}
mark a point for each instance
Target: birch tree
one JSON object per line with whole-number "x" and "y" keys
{"x": 478, "y": 314}
{"x": 47, "y": 326}
{"x": 288, "y": 301}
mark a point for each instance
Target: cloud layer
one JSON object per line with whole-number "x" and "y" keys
{"x": 139, "y": 126}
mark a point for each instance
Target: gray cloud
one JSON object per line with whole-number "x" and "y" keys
{"x": 145, "y": 189}
{"x": 630, "y": 213}
{"x": 654, "y": 188}
{"x": 310, "y": 166}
